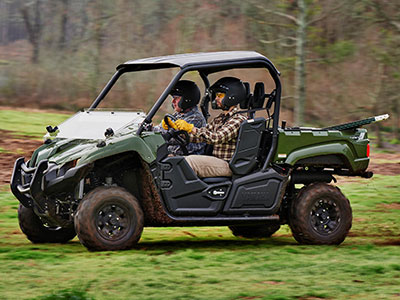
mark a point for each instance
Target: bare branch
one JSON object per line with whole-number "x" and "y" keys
{"x": 278, "y": 40}
{"x": 382, "y": 14}
{"x": 271, "y": 23}
{"x": 315, "y": 60}
{"x": 278, "y": 13}
{"x": 288, "y": 45}
{"x": 396, "y": 25}
{"x": 325, "y": 14}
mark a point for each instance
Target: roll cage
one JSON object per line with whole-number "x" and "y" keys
{"x": 205, "y": 64}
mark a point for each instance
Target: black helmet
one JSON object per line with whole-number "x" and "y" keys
{"x": 234, "y": 90}
{"x": 189, "y": 92}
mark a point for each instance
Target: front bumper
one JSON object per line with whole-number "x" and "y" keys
{"x": 31, "y": 186}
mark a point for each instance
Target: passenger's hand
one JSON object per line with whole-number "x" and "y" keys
{"x": 183, "y": 125}
{"x": 170, "y": 123}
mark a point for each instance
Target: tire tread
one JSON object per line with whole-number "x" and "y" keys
{"x": 83, "y": 221}
{"x": 299, "y": 223}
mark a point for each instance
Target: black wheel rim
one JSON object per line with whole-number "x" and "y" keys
{"x": 113, "y": 222}
{"x": 325, "y": 216}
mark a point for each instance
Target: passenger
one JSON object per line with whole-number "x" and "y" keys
{"x": 221, "y": 132}
{"x": 185, "y": 97}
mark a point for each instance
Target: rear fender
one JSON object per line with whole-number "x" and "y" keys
{"x": 340, "y": 149}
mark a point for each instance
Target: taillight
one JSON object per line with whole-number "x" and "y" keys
{"x": 368, "y": 150}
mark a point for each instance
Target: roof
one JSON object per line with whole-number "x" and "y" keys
{"x": 195, "y": 59}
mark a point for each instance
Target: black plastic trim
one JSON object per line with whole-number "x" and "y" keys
{"x": 259, "y": 193}
{"x": 36, "y": 189}
{"x": 221, "y": 220}
{"x": 67, "y": 181}
{"x": 16, "y": 184}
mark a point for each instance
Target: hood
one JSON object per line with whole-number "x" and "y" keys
{"x": 61, "y": 151}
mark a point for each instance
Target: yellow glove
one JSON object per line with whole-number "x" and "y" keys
{"x": 183, "y": 125}
{"x": 170, "y": 123}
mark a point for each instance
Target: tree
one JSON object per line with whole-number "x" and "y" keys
{"x": 386, "y": 17}
{"x": 33, "y": 27}
{"x": 63, "y": 24}
{"x": 300, "y": 14}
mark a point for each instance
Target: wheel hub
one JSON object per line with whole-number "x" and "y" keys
{"x": 325, "y": 216}
{"x": 112, "y": 222}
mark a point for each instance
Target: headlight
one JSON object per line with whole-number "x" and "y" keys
{"x": 68, "y": 165}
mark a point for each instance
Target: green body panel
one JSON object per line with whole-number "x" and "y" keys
{"x": 61, "y": 151}
{"x": 34, "y": 158}
{"x": 146, "y": 146}
{"x": 294, "y": 145}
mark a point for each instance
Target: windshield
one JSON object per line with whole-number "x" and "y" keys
{"x": 122, "y": 107}
{"x": 91, "y": 124}
{"x": 137, "y": 90}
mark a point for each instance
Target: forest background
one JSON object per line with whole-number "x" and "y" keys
{"x": 339, "y": 59}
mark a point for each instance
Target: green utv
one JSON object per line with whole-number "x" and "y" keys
{"x": 104, "y": 175}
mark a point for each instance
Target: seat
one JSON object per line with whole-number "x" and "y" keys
{"x": 245, "y": 103}
{"x": 259, "y": 95}
{"x": 248, "y": 143}
{"x": 245, "y": 159}
{"x": 250, "y": 136}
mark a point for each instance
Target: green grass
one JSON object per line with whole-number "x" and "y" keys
{"x": 31, "y": 124}
{"x": 209, "y": 263}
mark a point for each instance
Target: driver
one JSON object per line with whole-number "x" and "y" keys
{"x": 221, "y": 132}
{"x": 185, "y": 97}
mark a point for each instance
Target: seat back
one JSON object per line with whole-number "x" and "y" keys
{"x": 248, "y": 143}
{"x": 259, "y": 95}
{"x": 245, "y": 103}
{"x": 258, "y": 98}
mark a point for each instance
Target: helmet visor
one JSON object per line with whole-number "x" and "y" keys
{"x": 219, "y": 95}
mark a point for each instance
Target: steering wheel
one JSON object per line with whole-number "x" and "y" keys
{"x": 176, "y": 137}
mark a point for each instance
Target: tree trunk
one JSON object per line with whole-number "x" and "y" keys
{"x": 300, "y": 68}
{"x": 62, "y": 42}
{"x": 396, "y": 119}
{"x": 34, "y": 29}
{"x": 98, "y": 37}
{"x": 380, "y": 102}
{"x": 4, "y": 21}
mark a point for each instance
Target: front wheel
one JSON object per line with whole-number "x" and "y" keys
{"x": 109, "y": 218}
{"x": 320, "y": 215}
{"x": 36, "y": 232}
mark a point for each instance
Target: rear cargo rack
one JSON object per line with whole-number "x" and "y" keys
{"x": 357, "y": 124}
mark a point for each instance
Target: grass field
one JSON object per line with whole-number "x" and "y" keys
{"x": 209, "y": 263}
{"x": 29, "y": 123}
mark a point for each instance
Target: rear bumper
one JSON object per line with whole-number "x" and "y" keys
{"x": 32, "y": 185}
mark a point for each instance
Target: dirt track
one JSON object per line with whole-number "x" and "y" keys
{"x": 13, "y": 147}
{"x": 16, "y": 146}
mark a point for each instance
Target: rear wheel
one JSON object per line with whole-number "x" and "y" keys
{"x": 255, "y": 231}
{"x": 320, "y": 214}
{"x": 109, "y": 218}
{"x": 36, "y": 232}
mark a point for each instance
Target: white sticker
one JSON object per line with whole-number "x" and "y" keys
{"x": 282, "y": 155}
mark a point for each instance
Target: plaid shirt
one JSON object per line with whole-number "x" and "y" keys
{"x": 222, "y": 133}
{"x": 195, "y": 117}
